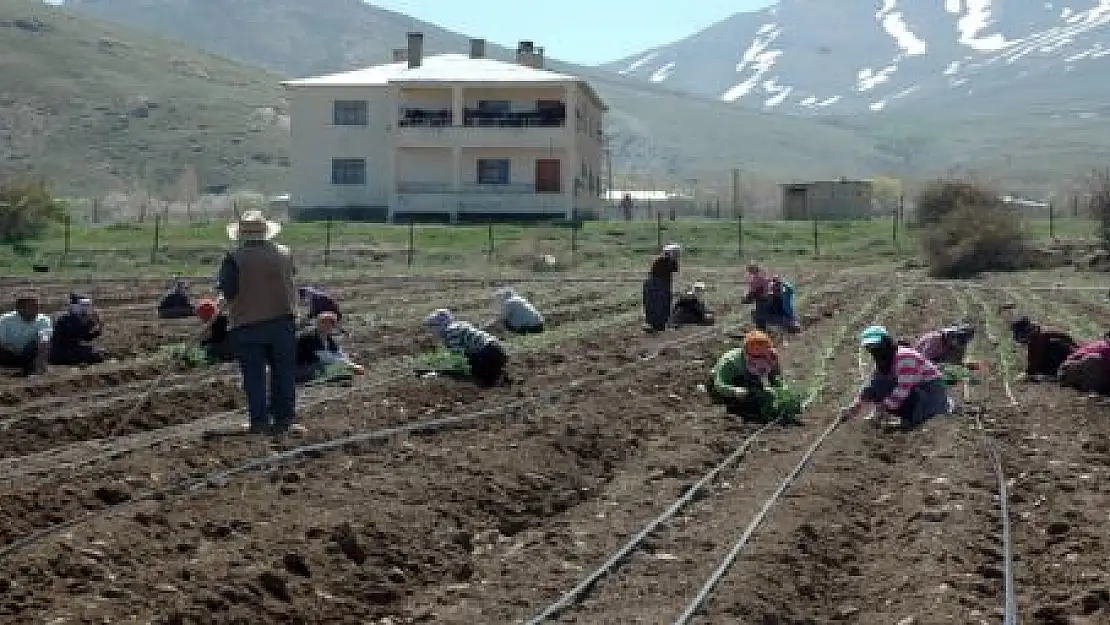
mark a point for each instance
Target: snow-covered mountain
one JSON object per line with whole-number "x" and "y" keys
{"x": 849, "y": 56}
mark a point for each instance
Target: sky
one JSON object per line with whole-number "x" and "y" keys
{"x": 587, "y": 32}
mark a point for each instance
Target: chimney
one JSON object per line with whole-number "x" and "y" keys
{"x": 416, "y": 49}
{"x": 400, "y": 55}
{"x": 524, "y": 52}
{"x": 477, "y": 48}
{"x": 537, "y": 58}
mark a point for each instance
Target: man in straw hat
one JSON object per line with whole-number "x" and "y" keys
{"x": 256, "y": 280}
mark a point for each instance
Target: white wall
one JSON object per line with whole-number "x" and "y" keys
{"x": 425, "y": 166}
{"x": 315, "y": 142}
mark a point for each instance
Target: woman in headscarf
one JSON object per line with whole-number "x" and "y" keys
{"x": 483, "y": 352}
{"x": 317, "y": 301}
{"x": 690, "y": 308}
{"x": 176, "y": 303}
{"x": 1087, "y": 369}
{"x": 741, "y": 377}
{"x": 946, "y": 346}
{"x": 759, "y": 293}
{"x": 74, "y": 331}
{"x": 515, "y": 313}
{"x": 904, "y": 383}
{"x": 658, "y": 288}
{"x": 1046, "y": 348}
{"x": 318, "y": 351}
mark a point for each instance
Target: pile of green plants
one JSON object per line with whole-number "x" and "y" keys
{"x": 954, "y": 374}
{"x": 444, "y": 362}
{"x": 787, "y": 403}
{"x": 186, "y": 355}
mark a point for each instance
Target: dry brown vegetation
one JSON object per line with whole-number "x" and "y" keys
{"x": 967, "y": 229}
{"x": 1098, "y": 203}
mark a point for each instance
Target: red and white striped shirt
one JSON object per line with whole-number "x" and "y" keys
{"x": 910, "y": 369}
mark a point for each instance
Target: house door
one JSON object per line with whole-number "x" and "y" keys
{"x": 549, "y": 175}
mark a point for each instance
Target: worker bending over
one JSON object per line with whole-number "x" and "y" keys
{"x": 690, "y": 308}
{"x": 1046, "y": 348}
{"x": 904, "y": 383}
{"x": 515, "y": 313}
{"x": 483, "y": 352}
{"x": 742, "y": 375}
{"x": 319, "y": 354}
{"x": 75, "y": 329}
{"x": 176, "y": 303}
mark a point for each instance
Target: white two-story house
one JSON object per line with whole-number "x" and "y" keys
{"x": 452, "y": 136}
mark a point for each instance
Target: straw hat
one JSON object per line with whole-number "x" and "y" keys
{"x": 253, "y": 225}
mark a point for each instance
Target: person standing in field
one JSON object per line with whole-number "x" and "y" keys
{"x": 658, "y": 288}
{"x": 256, "y": 280}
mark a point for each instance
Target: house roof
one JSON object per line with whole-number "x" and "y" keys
{"x": 447, "y": 68}
{"x": 437, "y": 68}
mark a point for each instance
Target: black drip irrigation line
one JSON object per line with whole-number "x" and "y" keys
{"x": 1009, "y": 601}
{"x": 579, "y": 591}
{"x": 218, "y": 478}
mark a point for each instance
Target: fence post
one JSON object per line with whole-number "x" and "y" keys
{"x": 412, "y": 242}
{"x": 96, "y": 210}
{"x": 659, "y": 230}
{"x": 718, "y": 208}
{"x": 65, "y": 248}
{"x": 740, "y": 236}
{"x": 327, "y": 242}
{"x": 1052, "y": 220}
{"x": 1075, "y": 206}
{"x": 574, "y": 238}
{"x": 157, "y": 235}
{"x": 894, "y": 229}
{"x": 816, "y": 247}
{"x": 489, "y": 242}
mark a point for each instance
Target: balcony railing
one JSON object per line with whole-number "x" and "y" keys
{"x": 465, "y": 188}
{"x": 437, "y": 118}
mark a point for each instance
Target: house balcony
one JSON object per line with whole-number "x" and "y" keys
{"x": 433, "y": 129}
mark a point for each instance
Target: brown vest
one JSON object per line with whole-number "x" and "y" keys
{"x": 266, "y": 288}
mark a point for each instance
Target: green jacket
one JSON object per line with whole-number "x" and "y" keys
{"x": 731, "y": 371}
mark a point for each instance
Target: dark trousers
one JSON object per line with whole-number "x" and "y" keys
{"x": 23, "y": 360}
{"x": 528, "y": 329}
{"x": 657, "y": 303}
{"x": 487, "y": 365}
{"x": 75, "y": 354}
{"x": 273, "y": 344}
{"x": 180, "y": 312}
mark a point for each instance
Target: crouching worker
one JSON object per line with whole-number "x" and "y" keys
{"x": 1045, "y": 348}
{"x": 1087, "y": 369}
{"x": 213, "y": 338}
{"x": 484, "y": 354}
{"x": 515, "y": 313}
{"x": 74, "y": 331}
{"x": 904, "y": 383}
{"x": 176, "y": 303}
{"x": 740, "y": 379}
{"x": 947, "y": 346}
{"x": 25, "y": 336}
{"x": 690, "y": 308}
{"x": 316, "y": 301}
{"x": 319, "y": 357}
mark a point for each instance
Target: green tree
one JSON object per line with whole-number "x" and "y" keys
{"x": 27, "y": 209}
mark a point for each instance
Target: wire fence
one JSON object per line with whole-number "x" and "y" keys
{"x": 344, "y": 245}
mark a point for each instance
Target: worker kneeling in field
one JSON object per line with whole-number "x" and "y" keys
{"x": 1046, "y": 348}
{"x": 947, "y": 346}
{"x": 773, "y": 299}
{"x": 316, "y": 301}
{"x": 484, "y": 354}
{"x": 74, "y": 331}
{"x": 318, "y": 354}
{"x": 904, "y": 383}
{"x": 25, "y": 336}
{"x": 1087, "y": 369}
{"x": 515, "y": 313}
{"x": 690, "y": 308}
{"x": 743, "y": 377}
{"x": 176, "y": 303}
{"x": 213, "y": 338}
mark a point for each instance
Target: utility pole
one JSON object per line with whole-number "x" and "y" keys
{"x": 609, "y": 165}
{"x": 736, "y": 191}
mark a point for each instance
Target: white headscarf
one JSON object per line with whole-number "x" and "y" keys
{"x": 80, "y": 305}
{"x": 672, "y": 249}
{"x": 697, "y": 288}
{"x": 439, "y": 319}
{"x": 504, "y": 293}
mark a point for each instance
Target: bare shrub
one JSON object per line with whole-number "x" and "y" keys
{"x": 27, "y": 209}
{"x": 1098, "y": 203}
{"x": 966, "y": 229}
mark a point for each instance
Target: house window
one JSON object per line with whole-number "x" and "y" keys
{"x": 549, "y": 175}
{"x": 351, "y": 113}
{"x": 348, "y": 171}
{"x": 493, "y": 171}
{"x": 495, "y": 108}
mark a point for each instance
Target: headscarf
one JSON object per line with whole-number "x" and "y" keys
{"x": 873, "y": 336}
{"x": 672, "y": 249}
{"x": 880, "y": 343}
{"x": 206, "y": 309}
{"x": 1022, "y": 328}
{"x": 759, "y": 353}
{"x": 79, "y": 304}
{"x": 326, "y": 323}
{"x": 697, "y": 289}
{"x": 439, "y": 319}
{"x": 180, "y": 287}
{"x": 959, "y": 335}
{"x": 504, "y": 293}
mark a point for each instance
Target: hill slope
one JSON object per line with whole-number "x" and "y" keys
{"x": 97, "y": 107}
{"x": 671, "y": 134}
